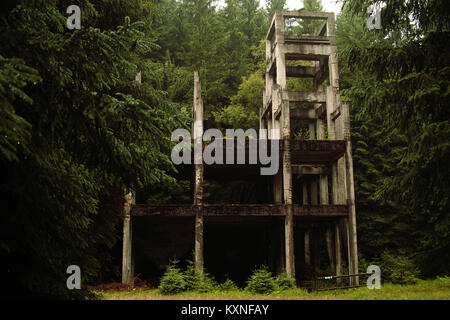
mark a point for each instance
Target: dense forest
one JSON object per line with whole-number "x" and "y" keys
{"x": 76, "y": 129}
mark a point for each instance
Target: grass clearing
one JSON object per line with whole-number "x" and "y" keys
{"x": 438, "y": 289}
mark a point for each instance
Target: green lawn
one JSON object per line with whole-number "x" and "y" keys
{"x": 438, "y": 289}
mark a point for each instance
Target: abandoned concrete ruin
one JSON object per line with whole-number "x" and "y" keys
{"x": 305, "y": 215}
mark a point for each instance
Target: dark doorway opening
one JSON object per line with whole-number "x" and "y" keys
{"x": 232, "y": 250}
{"x": 157, "y": 241}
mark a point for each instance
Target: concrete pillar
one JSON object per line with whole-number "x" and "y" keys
{"x": 350, "y": 186}
{"x": 285, "y": 134}
{"x": 316, "y": 251}
{"x": 338, "y": 253}
{"x": 341, "y": 165}
{"x": 323, "y": 182}
{"x": 304, "y": 191}
{"x": 307, "y": 247}
{"x": 312, "y": 129}
{"x": 351, "y": 269}
{"x": 314, "y": 191}
{"x": 278, "y": 186}
{"x": 329, "y": 95}
{"x": 127, "y": 258}
{"x": 198, "y": 174}
{"x": 323, "y": 178}
{"x": 329, "y": 239}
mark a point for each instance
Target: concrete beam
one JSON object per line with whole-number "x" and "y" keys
{"x": 297, "y": 51}
{"x": 304, "y": 97}
{"x": 239, "y": 210}
{"x": 301, "y": 71}
{"x": 306, "y": 39}
{"x": 322, "y": 30}
{"x": 336, "y": 113}
{"x": 307, "y": 14}
{"x": 270, "y": 64}
{"x": 304, "y": 114}
{"x": 308, "y": 169}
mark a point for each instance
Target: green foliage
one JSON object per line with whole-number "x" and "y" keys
{"x": 244, "y": 109}
{"x": 173, "y": 281}
{"x": 284, "y": 282}
{"x": 261, "y": 281}
{"x": 424, "y": 290}
{"x": 237, "y": 116}
{"x": 191, "y": 277}
{"x": 397, "y": 81}
{"x": 444, "y": 280}
{"x": 176, "y": 280}
{"x": 398, "y": 269}
{"x": 206, "y": 284}
{"x": 301, "y": 27}
{"x": 274, "y": 5}
{"x": 199, "y": 282}
{"x": 216, "y": 41}
{"x": 14, "y": 129}
{"x": 228, "y": 285}
{"x": 75, "y": 131}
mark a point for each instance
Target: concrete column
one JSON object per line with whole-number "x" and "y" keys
{"x": 323, "y": 182}
{"x": 329, "y": 239}
{"x": 330, "y": 108}
{"x": 323, "y": 179}
{"x": 285, "y": 134}
{"x": 278, "y": 187}
{"x": 334, "y": 183}
{"x": 127, "y": 259}
{"x": 312, "y": 129}
{"x": 351, "y": 269}
{"x": 307, "y": 247}
{"x": 198, "y": 174}
{"x": 341, "y": 165}
{"x": 314, "y": 191}
{"x": 350, "y": 186}
{"x": 338, "y": 252}
{"x": 304, "y": 192}
{"x": 316, "y": 251}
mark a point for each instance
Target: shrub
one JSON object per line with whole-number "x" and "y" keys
{"x": 206, "y": 284}
{"x": 172, "y": 281}
{"x": 191, "y": 277}
{"x": 444, "y": 280}
{"x": 398, "y": 269}
{"x": 196, "y": 281}
{"x": 261, "y": 281}
{"x": 284, "y": 282}
{"x": 228, "y": 285}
